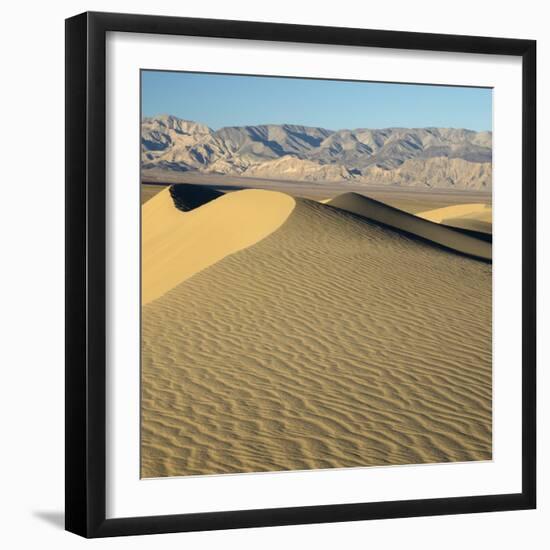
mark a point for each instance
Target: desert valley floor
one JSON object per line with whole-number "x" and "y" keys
{"x": 289, "y": 333}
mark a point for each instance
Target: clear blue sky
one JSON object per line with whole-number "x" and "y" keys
{"x": 232, "y": 100}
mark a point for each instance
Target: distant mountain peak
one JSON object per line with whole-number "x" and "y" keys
{"x": 443, "y": 157}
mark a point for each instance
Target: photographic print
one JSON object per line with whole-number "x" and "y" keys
{"x": 316, "y": 274}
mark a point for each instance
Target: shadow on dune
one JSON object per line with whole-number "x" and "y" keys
{"x": 487, "y": 237}
{"x": 187, "y": 196}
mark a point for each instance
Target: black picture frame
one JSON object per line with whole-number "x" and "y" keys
{"x": 86, "y": 274}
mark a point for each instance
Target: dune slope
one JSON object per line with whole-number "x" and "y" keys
{"x": 332, "y": 342}
{"x": 175, "y": 245}
{"x": 415, "y": 225}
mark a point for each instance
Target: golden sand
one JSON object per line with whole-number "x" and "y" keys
{"x": 175, "y": 245}
{"x": 472, "y": 216}
{"x": 321, "y": 340}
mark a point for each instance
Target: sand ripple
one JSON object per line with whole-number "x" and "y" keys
{"x": 332, "y": 342}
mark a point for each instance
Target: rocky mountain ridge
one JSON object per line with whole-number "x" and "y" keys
{"x": 430, "y": 157}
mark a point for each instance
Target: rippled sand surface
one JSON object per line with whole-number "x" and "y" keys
{"x": 332, "y": 342}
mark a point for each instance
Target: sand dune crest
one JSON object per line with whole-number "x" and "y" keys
{"x": 176, "y": 245}
{"x": 414, "y": 225}
{"x": 454, "y": 211}
{"x": 472, "y": 216}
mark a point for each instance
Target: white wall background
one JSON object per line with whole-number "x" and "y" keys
{"x": 31, "y": 289}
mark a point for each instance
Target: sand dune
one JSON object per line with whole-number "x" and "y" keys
{"x": 176, "y": 245}
{"x": 420, "y": 227}
{"x": 455, "y": 211}
{"x": 472, "y": 216}
{"x": 333, "y": 341}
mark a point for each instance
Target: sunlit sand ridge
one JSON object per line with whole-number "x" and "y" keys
{"x": 327, "y": 340}
{"x": 176, "y": 245}
{"x": 473, "y": 216}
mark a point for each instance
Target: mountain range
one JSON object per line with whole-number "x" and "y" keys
{"x": 423, "y": 157}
